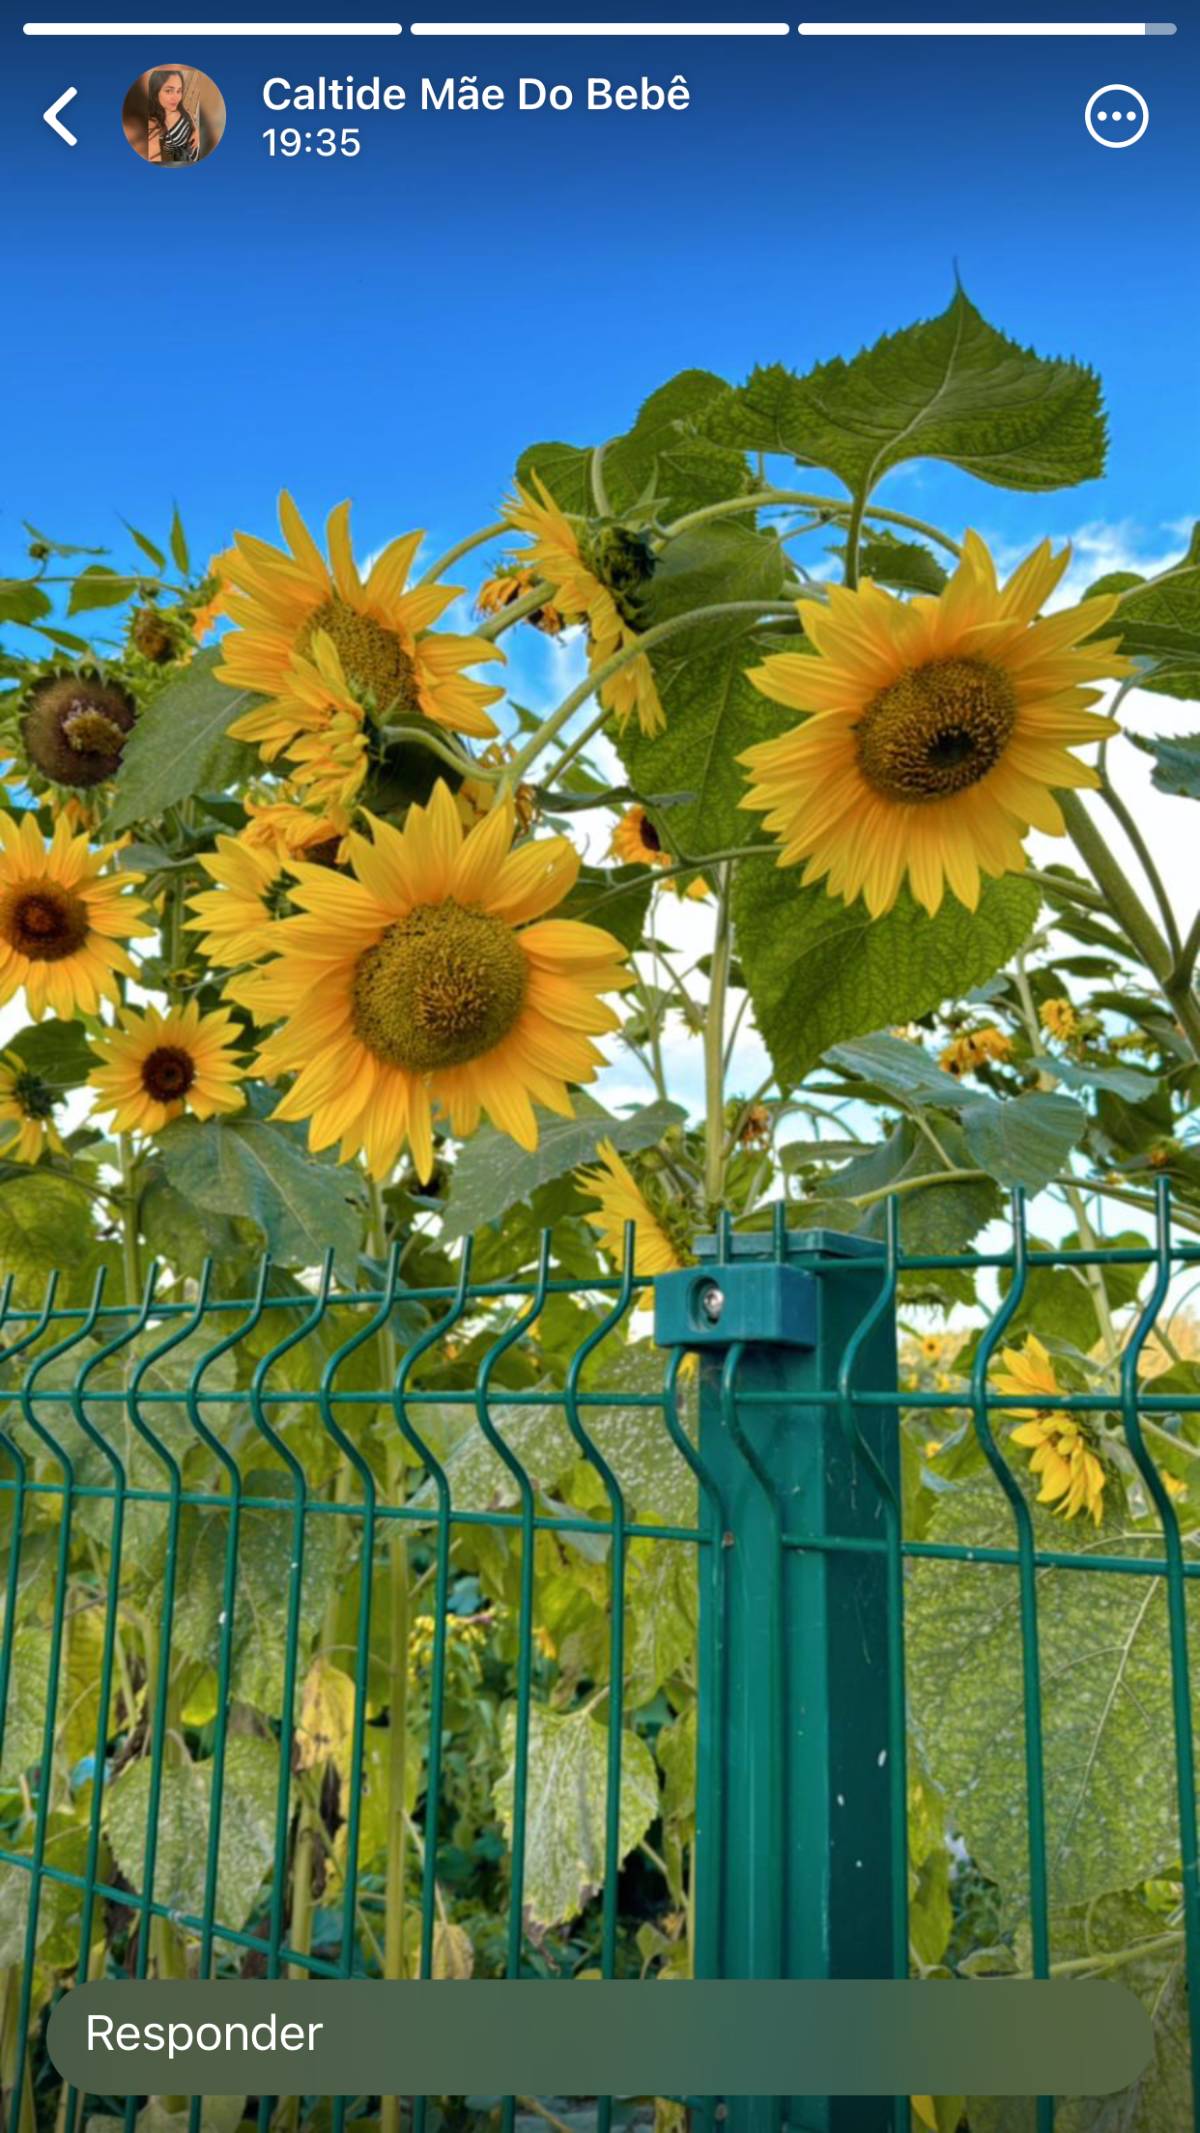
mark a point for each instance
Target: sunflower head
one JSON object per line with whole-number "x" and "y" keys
{"x": 636, "y": 841}
{"x": 157, "y": 1064}
{"x": 27, "y": 1128}
{"x": 936, "y": 730}
{"x": 513, "y": 583}
{"x": 970, "y": 1050}
{"x": 74, "y": 727}
{"x": 663, "y": 1228}
{"x": 62, "y": 921}
{"x": 1059, "y": 1018}
{"x": 158, "y": 636}
{"x": 433, "y": 977}
{"x": 1063, "y": 1448}
{"x": 623, "y": 560}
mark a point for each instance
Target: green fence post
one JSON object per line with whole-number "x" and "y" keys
{"x": 800, "y": 1863}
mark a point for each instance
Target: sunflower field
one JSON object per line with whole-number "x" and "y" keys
{"x": 319, "y": 950}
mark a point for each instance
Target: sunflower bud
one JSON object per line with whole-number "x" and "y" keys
{"x": 152, "y": 636}
{"x": 74, "y": 728}
{"x": 625, "y": 562}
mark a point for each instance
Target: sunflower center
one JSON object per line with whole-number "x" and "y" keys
{"x": 43, "y": 921}
{"x": 375, "y": 661}
{"x": 442, "y": 987}
{"x": 89, "y": 731}
{"x": 33, "y": 1096}
{"x": 649, "y": 835}
{"x": 168, "y": 1073}
{"x": 937, "y": 730}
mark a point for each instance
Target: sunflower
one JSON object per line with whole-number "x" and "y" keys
{"x": 637, "y": 842}
{"x": 659, "y": 1243}
{"x": 974, "y": 1048}
{"x": 937, "y": 730}
{"x": 293, "y": 832}
{"x": 74, "y": 727}
{"x": 156, "y": 1065}
{"x": 61, "y": 924}
{"x": 251, "y": 890}
{"x": 1072, "y": 1476}
{"x": 475, "y": 797}
{"x": 27, "y": 1126}
{"x": 590, "y": 587}
{"x": 504, "y": 587}
{"x": 433, "y": 978}
{"x": 212, "y": 608}
{"x": 321, "y": 644}
{"x": 1059, "y": 1018}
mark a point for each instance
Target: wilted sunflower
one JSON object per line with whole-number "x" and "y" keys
{"x": 315, "y": 639}
{"x": 583, "y": 594}
{"x": 937, "y": 730}
{"x": 506, "y": 586}
{"x": 61, "y": 923}
{"x": 655, "y": 1249}
{"x": 433, "y": 978}
{"x": 74, "y": 727}
{"x": 156, "y": 1065}
{"x": 1073, "y": 1478}
{"x": 27, "y": 1126}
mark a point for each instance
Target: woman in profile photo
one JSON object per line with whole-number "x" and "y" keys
{"x": 171, "y": 132}
{"x": 173, "y": 115}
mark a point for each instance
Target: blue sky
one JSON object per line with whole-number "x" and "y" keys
{"x": 397, "y": 327}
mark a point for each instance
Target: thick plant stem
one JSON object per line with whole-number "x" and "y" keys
{"x": 714, "y": 1050}
{"x": 394, "y": 1953}
{"x": 473, "y": 540}
{"x": 130, "y": 1253}
{"x": 1133, "y": 918}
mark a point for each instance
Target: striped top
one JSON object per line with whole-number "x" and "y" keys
{"x": 179, "y": 141}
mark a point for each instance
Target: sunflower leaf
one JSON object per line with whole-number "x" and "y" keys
{"x": 1025, "y": 1140}
{"x": 492, "y": 1174}
{"x": 180, "y": 745}
{"x": 57, "y": 1052}
{"x": 249, "y": 1167}
{"x": 950, "y": 387}
{"x": 1161, "y": 621}
{"x": 21, "y": 600}
{"x": 820, "y": 973}
{"x": 713, "y": 713}
{"x": 1176, "y": 762}
{"x": 98, "y": 586}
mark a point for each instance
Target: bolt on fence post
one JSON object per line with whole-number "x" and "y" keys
{"x": 800, "y": 1860}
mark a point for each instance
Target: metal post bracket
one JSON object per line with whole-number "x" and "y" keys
{"x": 713, "y": 1306}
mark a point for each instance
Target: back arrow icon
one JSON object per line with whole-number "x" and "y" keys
{"x": 52, "y": 118}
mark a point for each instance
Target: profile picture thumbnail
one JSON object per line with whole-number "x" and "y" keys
{"x": 173, "y": 115}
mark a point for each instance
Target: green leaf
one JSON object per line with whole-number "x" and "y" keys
{"x": 1024, "y": 1140}
{"x": 57, "y": 1052}
{"x": 1106, "y": 1702}
{"x": 247, "y": 1845}
{"x": 665, "y": 454}
{"x": 45, "y": 1223}
{"x": 98, "y": 586}
{"x": 258, "y": 1643}
{"x": 727, "y": 560}
{"x": 820, "y": 973}
{"x": 492, "y": 1174}
{"x": 565, "y": 1835}
{"x": 22, "y": 601}
{"x": 25, "y": 1713}
{"x": 147, "y": 546}
{"x": 948, "y": 388}
{"x": 1082, "y": 1074}
{"x": 180, "y": 555}
{"x": 179, "y": 745}
{"x": 1176, "y": 762}
{"x": 249, "y": 1167}
{"x": 566, "y": 471}
{"x": 653, "y": 1475}
{"x": 713, "y": 714}
{"x": 1161, "y": 621}
{"x": 899, "y": 1069}
{"x": 907, "y": 566}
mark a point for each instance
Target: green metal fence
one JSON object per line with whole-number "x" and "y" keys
{"x": 246, "y": 1480}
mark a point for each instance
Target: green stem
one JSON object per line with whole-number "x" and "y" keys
{"x": 599, "y": 491}
{"x": 1132, "y": 916}
{"x": 1117, "y": 807}
{"x": 425, "y": 737}
{"x": 714, "y": 1050}
{"x": 1076, "y": 891}
{"x": 575, "y": 748}
{"x": 516, "y": 611}
{"x": 609, "y": 667}
{"x": 131, "y": 1260}
{"x": 853, "y": 535}
{"x": 461, "y": 548}
{"x": 830, "y": 506}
